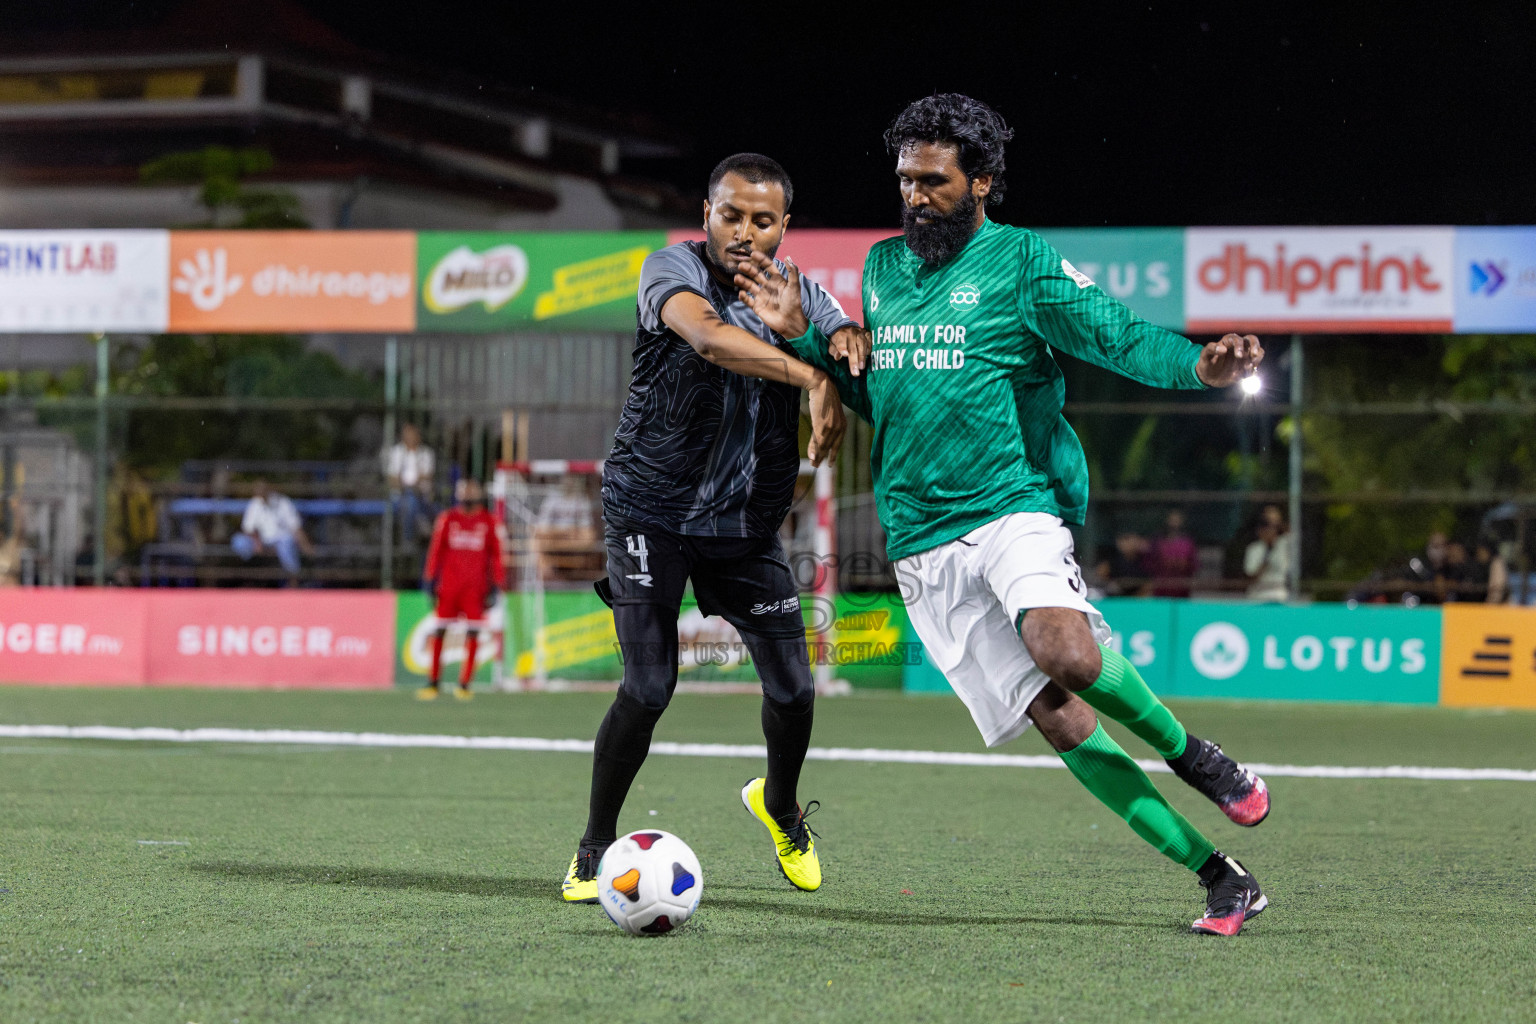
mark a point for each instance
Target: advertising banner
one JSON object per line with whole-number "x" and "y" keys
{"x": 871, "y": 640}
{"x": 292, "y": 281}
{"x": 1318, "y": 279}
{"x": 63, "y": 281}
{"x": 70, "y": 636}
{"x": 497, "y": 281}
{"x": 1489, "y": 658}
{"x": 1309, "y": 652}
{"x": 298, "y": 639}
{"x": 1495, "y": 280}
{"x": 1142, "y": 267}
{"x": 414, "y": 624}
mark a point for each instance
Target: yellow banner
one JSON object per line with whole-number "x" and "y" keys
{"x": 592, "y": 283}
{"x": 1488, "y": 657}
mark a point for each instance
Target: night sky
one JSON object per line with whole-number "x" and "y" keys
{"x": 1126, "y": 114}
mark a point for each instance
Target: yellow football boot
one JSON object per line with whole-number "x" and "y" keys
{"x": 427, "y": 693}
{"x": 580, "y": 885}
{"x": 795, "y": 849}
{"x": 463, "y": 693}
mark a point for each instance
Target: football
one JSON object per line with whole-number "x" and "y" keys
{"x": 649, "y": 882}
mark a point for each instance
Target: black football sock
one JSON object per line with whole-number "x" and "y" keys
{"x": 788, "y": 732}
{"x": 622, "y": 742}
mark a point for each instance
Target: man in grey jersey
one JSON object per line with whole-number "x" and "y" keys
{"x": 701, "y": 475}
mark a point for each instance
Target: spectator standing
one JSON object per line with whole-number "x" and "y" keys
{"x": 1173, "y": 559}
{"x": 1267, "y": 559}
{"x": 271, "y": 521}
{"x": 409, "y": 467}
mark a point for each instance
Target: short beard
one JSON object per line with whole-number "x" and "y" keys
{"x": 724, "y": 261}
{"x": 941, "y": 239}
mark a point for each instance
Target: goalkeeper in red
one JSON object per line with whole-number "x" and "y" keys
{"x": 463, "y": 572}
{"x": 976, "y": 474}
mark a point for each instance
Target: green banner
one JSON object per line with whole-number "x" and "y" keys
{"x": 497, "y": 280}
{"x": 1308, "y": 652}
{"x": 869, "y": 642}
{"x": 1142, "y": 267}
{"x": 413, "y": 656}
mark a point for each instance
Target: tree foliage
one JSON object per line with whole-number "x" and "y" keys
{"x": 219, "y": 172}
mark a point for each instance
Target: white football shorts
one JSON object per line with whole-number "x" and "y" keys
{"x": 967, "y": 598}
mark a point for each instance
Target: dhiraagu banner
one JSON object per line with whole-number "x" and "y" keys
{"x": 1307, "y": 652}
{"x": 497, "y": 280}
{"x": 1142, "y": 267}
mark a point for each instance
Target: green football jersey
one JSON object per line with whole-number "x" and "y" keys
{"x": 962, "y": 389}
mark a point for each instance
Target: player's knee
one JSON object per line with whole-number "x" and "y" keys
{"x": 649, "y": 686}
{"x": 1073, "y": 662}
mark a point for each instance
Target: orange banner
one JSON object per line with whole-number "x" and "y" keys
{"x": 1488, "y": 657}
{"x": 293, "y": 281}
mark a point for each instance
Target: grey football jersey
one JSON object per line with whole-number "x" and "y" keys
{"x": 701, "y": 449}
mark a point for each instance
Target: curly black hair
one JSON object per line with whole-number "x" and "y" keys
{"x": 979, "y": 131}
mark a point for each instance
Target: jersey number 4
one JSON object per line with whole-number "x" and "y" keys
{"x": 635, "y": 544}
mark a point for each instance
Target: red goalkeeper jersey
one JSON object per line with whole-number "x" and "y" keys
{"x": 465, "y": 552}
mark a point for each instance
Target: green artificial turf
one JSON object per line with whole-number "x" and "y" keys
{"x": 322, "y": 884}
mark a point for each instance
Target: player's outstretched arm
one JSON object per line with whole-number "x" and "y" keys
{"x": 1225, "y": 362}
{"x": 728, "y": 346}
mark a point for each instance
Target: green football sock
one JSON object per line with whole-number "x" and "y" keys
{"x": 1122, "y": 694}
{"x": 1109, "y": 774}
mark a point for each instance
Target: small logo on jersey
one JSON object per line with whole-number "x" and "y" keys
{"x": 1082, "y": 279}
{"x": 874, "y": 301}
{"x": 789, "y": 604}
{"x": 965, "y": 298}
{"x": 643, "y": 577}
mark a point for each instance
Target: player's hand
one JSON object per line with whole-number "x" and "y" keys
{"x": 429, "y": 587}
{"x": 1225, "y": 362}
{"x": 490, "y": 598}
{"x": 773, "y": 296}
{"x": 852, "y": 344}
{"x": 827, "y": 422}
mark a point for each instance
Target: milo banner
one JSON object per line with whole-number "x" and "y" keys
{"x": 871, "y": 640}
{"x": 497, "y": 281}
{"x": 414, "y": 623}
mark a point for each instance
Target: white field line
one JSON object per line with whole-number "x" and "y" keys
{"x": 305, "y": 737}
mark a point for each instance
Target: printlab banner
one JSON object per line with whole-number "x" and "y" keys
{"x": 1318, "y": 279}
{"x": 64, "y": 281}
{"x": 496, "y": 281}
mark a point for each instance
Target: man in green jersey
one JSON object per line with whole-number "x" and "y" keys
{"x": 976, "y": 471}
